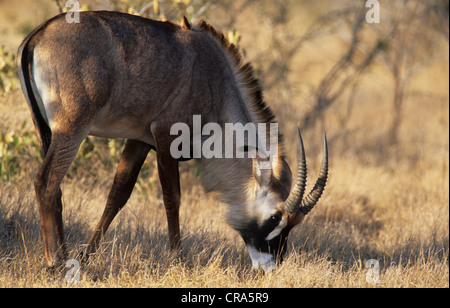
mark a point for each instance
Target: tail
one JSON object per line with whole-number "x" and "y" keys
{"x": 24, "y": 64}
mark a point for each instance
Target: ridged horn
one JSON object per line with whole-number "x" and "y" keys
{"x": 313, "y": 197}
{"x": 293, "y": 202}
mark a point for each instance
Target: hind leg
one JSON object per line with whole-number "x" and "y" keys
{"x": 61, "y": 153}
{"x": 60, "y": 227}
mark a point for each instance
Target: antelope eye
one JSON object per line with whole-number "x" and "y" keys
{"x": 275, "y": 218}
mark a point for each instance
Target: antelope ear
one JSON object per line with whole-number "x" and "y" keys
{"x": 185, "y": 24}
{"x": 261, "y": 173}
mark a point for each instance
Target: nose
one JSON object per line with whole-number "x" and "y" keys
{"x": 262, "y": 260}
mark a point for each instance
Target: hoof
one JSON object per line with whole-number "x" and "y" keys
{"x": 83, "y": 256}
{"x": 54, "y": 270}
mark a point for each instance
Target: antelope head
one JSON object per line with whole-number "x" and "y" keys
{"x": 271, "y": 218}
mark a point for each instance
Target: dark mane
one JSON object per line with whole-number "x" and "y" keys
{"x": 256, "y": 103}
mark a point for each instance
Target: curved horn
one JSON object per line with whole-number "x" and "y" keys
{"x": 292, "y": 203}
{"x": 311, "y": 199}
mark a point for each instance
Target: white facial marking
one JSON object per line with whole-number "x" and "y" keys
{"x": 261, "y": 259}
{"x": 277, "y": 230}
{"x": 262, "y": 207}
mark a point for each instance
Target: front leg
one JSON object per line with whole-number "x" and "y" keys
{"x": 170, "y": 183}
{"x": 130, "y": 164}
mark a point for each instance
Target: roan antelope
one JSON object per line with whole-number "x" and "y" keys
{"x": 115, "y": 75}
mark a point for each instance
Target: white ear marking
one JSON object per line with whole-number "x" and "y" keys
{"x": 262, "y": 175}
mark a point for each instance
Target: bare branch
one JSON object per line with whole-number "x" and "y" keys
{"x": 60, "y": 7}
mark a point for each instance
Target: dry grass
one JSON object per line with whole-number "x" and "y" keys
{"x": 389, "y": 203}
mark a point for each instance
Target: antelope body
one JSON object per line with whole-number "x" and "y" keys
{"x": 116, "y": 75}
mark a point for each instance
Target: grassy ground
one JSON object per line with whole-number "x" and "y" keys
{"x": 387, "y": 202}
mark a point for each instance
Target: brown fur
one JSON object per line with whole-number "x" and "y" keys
{"x": 116, "y": 75}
